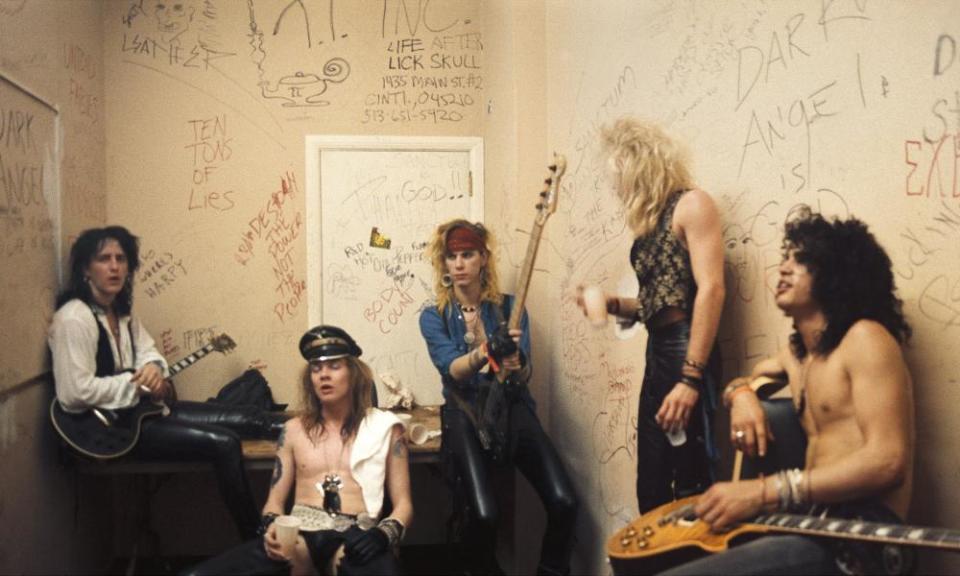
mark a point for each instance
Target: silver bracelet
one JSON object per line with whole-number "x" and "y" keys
{"x": 783, "y": 491}
{"x": 795, "y": 477}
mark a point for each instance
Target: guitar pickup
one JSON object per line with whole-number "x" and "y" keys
{"x": 103, "y": 419}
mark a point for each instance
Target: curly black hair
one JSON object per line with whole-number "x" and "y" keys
{"x": 852, "y": 277}
{"x": 84, "y": 249}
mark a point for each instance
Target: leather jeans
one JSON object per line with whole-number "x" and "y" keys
{"x": 532, "y": 452}
{"x": 196, "y": 431}
{"x": 666, "y": 472}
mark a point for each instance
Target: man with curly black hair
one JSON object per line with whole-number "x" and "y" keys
{"x": 852, "y": 391}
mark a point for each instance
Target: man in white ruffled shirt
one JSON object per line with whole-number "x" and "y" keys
{"x": 105, "y": 360}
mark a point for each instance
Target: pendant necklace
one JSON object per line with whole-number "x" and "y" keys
{"x": 332, "y": 483}
{"x": 470, "y": 336}
{"x": 116, "y": 337}
{"x": 801, "y": 404}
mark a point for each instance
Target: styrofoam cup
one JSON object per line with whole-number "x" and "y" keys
{"x": 677, "y": 436}
{"x": 595, "y": 303}
{"x": 287, "y": 529}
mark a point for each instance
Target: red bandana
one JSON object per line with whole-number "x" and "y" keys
{"x": 463, "y": 238}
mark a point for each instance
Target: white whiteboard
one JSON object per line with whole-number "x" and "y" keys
{"x": 372, "y": 205}
{"x": 29, "y": 230}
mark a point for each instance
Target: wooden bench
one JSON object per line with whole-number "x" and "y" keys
{"x": 259, "y": 454}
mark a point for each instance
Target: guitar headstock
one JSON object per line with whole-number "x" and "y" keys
{"x": 223, "y": 343}
{"x": 551, "y": 189}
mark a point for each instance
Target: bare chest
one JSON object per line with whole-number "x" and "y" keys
{"x": 329, "y": 455}
{"x": 821, "y": 394}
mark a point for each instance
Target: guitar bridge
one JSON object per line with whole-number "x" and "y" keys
{"x": 683, "y": 516}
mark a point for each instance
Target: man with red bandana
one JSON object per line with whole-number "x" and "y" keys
{"x": 466, "y": 334}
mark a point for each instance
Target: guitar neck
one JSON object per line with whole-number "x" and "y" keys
{"x": 523, "y": 281}
{"x": 192, "y": 358}
{"x": 862, "y": 530}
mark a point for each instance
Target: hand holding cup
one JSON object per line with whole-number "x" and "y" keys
{"x": 595, "y": 305}
{"x": 288, "y": 528}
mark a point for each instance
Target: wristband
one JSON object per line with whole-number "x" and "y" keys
{"x": 613, "y": 306}
{"x": 728, "y": 399}
{"x": 692, "y": 381}
{"x": 476, "y": 358}
{"x": 265, "y": 521}
{"x": 493, "y": 361}
{"x": 394, "y": 530}
{"x": 731, "y": 388}
{"x": 700, "y": 366}
{"x": 783, "y": 491}
{"x": 763, "y": 491}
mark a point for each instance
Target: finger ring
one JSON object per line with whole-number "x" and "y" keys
{"x": 739, "y": 434}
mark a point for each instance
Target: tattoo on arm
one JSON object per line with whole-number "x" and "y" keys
{"x": 277, "y": 471}
{"x": 283, "y": 436}
{"x": 400, "y": 448}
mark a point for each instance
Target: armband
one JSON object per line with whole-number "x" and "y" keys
{"x": 698, "y": 366}
{"x": 732, "y": 388}
{"x": 613, "y": 306}
{"x": 265, "y": 521}
{"x": 394, "y": 530}
{"x": 692, "y": 381}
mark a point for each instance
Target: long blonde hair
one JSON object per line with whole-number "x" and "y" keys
{"x": 361, "y": 398}
{"x": 437, "y": 253}
{"x": 652, "y": 168}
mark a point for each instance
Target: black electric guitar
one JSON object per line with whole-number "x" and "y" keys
{"x": 868, "y": 539}
{"x": 103, "y": 433}
{"x": 491, "y": 413}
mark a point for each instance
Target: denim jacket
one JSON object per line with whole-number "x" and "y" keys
{"x": 444, "y": 338}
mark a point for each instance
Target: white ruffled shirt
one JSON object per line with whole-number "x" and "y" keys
{"x": 368, "y": 458}
{"x": 73, "y": 338}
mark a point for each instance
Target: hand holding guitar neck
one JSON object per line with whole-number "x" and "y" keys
{"x": 501, "y": 344}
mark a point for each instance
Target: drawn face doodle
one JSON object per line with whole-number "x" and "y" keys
{"x": 173, "y": 18}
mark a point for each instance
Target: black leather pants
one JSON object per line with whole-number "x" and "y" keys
{"x": 666, "y": 472}
{"x": 250, "y": 558}
{"x": 196, "y": 431}
{"x": 533, "y": 454}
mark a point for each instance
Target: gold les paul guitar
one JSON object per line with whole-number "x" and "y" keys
{"x": 867, "y": 539}
{"x": 103, "y": 434}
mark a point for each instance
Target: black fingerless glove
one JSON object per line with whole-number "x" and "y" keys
{"x": 501, "y": 344}
{"x": 367, "y": 546}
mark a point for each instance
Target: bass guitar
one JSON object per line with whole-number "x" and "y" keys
{"x": 103, "y": 433}
{"x": 491, "y": 413}
{"x": 868, "y": 539}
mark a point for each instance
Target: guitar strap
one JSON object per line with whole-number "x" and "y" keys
{"x": 466, "y": 407}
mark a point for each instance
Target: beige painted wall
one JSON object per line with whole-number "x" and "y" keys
{"x": 207, "y": 129}
{"x": 49, "y": 521}
{"x": 191, "y": 140}
{"x": 825, "y": 103}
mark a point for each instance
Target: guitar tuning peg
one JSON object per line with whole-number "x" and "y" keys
{"x": 539, "y": 205}
{"x": 543, "y": 194}
{"x": 553, "y": 167}
{"x": 548, "y": 181}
